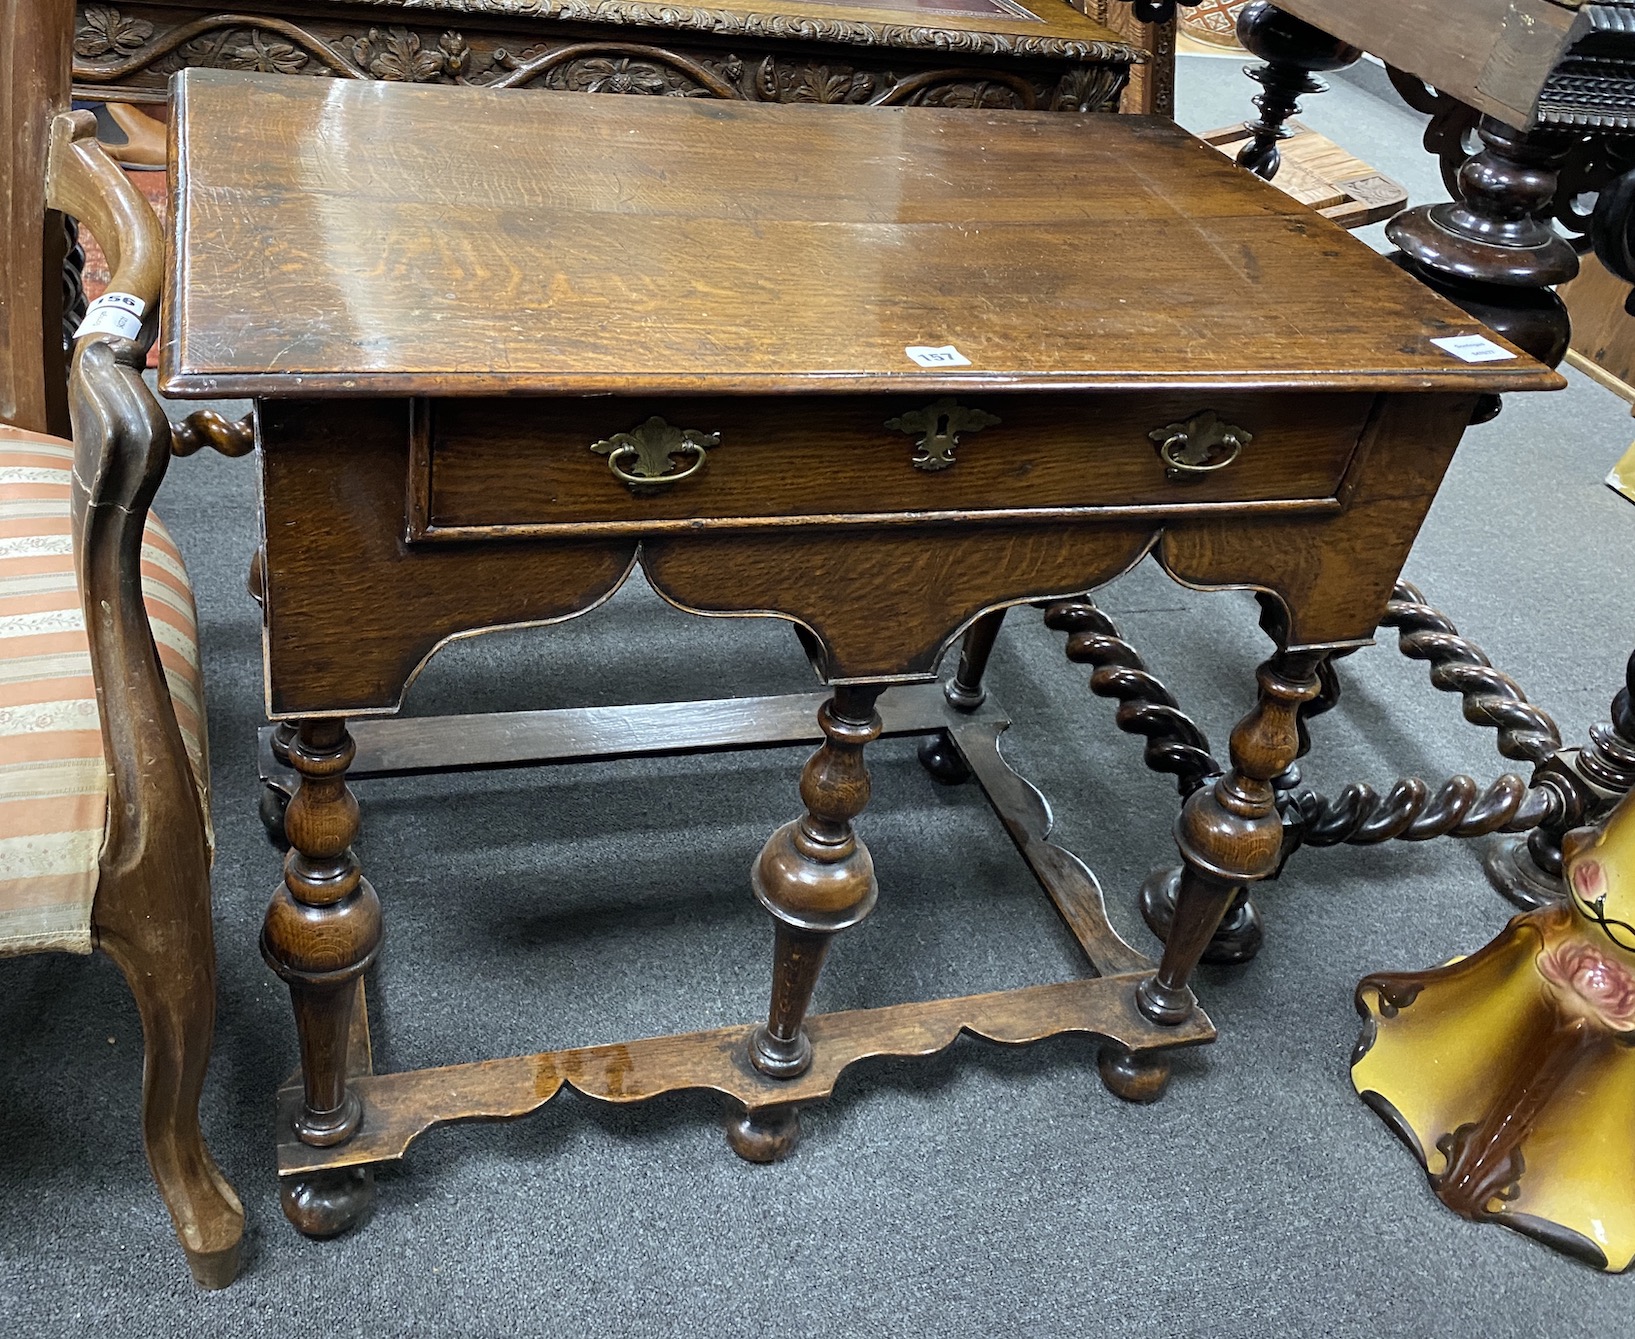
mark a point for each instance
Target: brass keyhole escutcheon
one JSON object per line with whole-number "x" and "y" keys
{"x": 939, "y": 425}
{"x": 1201, "y": 445}
{"x": 643, "y": 459}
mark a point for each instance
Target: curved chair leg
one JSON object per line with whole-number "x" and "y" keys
{"x": 161, "y": 939}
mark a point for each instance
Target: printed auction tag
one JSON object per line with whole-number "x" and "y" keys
{"x": 113, "y": 314}
{"x": 946, "y": 356}
{"x": 1473, "y": 348}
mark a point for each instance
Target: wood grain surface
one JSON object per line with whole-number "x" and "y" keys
{"x": 404, "y": 1106}
{"x": 346, "y": 238}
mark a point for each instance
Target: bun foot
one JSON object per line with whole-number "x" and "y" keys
{"x": 768, "y": 1134}
{"x": 939, "y": 757}
{"x": 273, "y": 804}
{"x": 326, "y": 1204}
{"x": 1515, "y": 875}
{"x": 1238, "y": 937}
{"x": 215, "y": 1269}
{"x": 1136, "y": 1077}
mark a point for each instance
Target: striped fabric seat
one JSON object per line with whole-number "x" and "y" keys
{"x": 53, "y": 779}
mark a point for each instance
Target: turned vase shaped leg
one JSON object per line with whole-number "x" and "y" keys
{"x": 1238, "y": 937}
{"x": 1229, "y": 831}
{"x": 964, "y": 693}
{"x": 815, "y": 876}
{"x": 322, "y": 931}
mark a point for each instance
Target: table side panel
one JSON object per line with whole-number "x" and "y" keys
{"x": 1334, "y": 574}
{"x": 353, "y": 607}
{"x": 351, "y": 611}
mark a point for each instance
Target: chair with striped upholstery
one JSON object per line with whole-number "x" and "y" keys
{"x": 53, "y": 780}
{"x": 104, "y": 829}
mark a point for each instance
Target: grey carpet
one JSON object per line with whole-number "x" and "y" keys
{"x": 983, "y": 1193}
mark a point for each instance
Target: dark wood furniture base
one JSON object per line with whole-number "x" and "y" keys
{"x": 762, "y": 1115}
{"x": 1545, "y": 144}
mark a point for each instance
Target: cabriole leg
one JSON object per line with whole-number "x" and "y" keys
{"x": 161, "y": 939}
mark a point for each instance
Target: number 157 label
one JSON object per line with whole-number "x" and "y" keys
{"x": 945, "y": 355}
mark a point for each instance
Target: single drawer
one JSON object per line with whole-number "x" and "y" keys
{"x": 554, "y": 466}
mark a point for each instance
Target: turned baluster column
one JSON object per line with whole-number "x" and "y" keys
{"x": 1229, "y": 831}
{"x": 1294, "y": 53}
{"x": 816, "y": 878}
{"x": 323, "y": 929}
{"x": 1494, "y": 251}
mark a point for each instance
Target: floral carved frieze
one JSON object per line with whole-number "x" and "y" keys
{"x": 102, "y": 32}
{"x": 135, "y": 52}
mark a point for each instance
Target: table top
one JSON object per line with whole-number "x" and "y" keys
{"x": 344, "y": 238}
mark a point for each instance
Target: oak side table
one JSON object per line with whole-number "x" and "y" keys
{"x": 878, "y": 372}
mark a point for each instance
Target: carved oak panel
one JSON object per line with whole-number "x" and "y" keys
{"x": 130, "y": 51}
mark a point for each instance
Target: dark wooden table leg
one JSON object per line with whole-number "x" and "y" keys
{"x": 322, "y": 931}
{"x": 964, "y": 693}
{"x": 1527, "y": 869}
{"x": 1495, "y": 251}
{"x": 1175, "y": 745}
{"x": 1229, "y": 832}
{"x": 274, "y": 799}
{"x": 1497, "y": 254}
{"x": 816, "y": 878}
{"x": 1241, "y": 932}
{"x": 1294, "y": 52}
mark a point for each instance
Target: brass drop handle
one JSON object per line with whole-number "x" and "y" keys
{"x": 1201, "y": 445}
{"x": 1178, "y": 447}
{"x": 642, "y": 459}
{"x": 629, "y": 452}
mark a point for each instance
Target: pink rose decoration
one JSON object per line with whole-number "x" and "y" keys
{"x": 1603, "y": 985}
{"x": 1588, "y": 880}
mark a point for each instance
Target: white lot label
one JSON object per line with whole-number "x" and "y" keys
{"x": 113, "y": 314}
{"x": 946, "y": 356}
{"x": 1473, "y": 348}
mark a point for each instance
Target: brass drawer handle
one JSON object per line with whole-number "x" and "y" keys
{"x": 1201, "y": 445}
{"x": 642, "y": 458}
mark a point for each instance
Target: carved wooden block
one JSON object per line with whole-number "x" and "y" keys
{"x": 942, "y": 53}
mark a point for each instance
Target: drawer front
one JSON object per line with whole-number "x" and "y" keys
{"x": 480, "y": 467}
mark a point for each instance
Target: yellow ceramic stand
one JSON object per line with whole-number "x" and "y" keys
{"x": 1511, "y": 1073}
